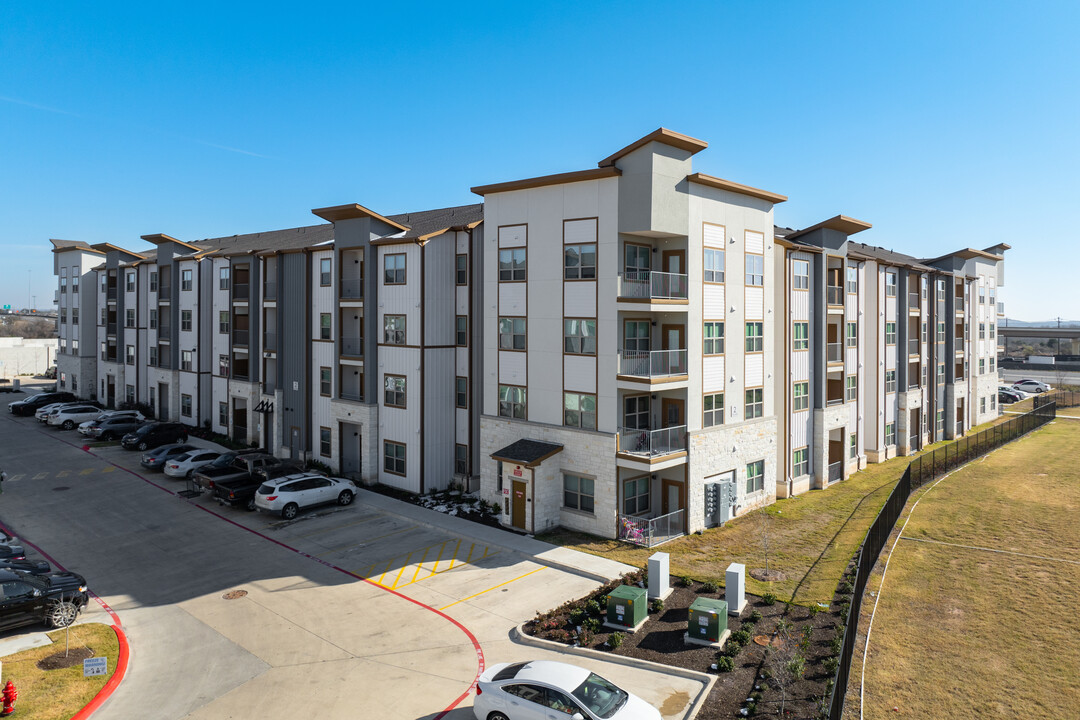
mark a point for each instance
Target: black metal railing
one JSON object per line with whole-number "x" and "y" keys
{"x": 921, "y": 470}
{"x": 352, "y": 288}
{"x": 1062, "y": 398}
{"x": 834, "y": 295}
{"x": 240, "y": 291}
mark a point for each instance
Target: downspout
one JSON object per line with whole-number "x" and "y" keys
{"x": 470, "y": 353}
{"x": 423, "y": 343}
{"x": 788, "y": 469}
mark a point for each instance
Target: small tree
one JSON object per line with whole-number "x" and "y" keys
{"x": 764, "y": 521}
{"x": 786, "y": 667}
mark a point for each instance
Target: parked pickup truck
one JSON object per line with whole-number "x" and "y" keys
{"x": 243, "y": 467}
{"x": 241, "y": 492}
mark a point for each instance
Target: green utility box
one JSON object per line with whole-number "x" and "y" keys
{"x": 627, "y": 606}
{"x": 708, "y": 620}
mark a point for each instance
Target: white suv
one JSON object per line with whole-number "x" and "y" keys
{"x": 286, "y": 495}
{"x": 71, "y": 415}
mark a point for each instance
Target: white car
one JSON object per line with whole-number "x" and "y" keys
{"x": 1009, "y": 388}
{"x": 1031, "y": 386}
{"x": 182, "y": 466}
{"x": 42, "y": 413}
{"x": 287, "y": 495}
{"x": 546, "y": 690}
{"x": 69, "y": 416}
{"x": 84, "y": 427}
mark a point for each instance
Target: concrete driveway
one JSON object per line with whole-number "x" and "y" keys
{"x": 309, "y": 637}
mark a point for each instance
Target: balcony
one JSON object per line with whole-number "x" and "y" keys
{"x": 164, "y": 332}
{"x": 354, "y": 395}
{"x": 352, "y": 347}
{"x": 352, "y": 288}
{"x": 270, "y": 291}
{"x": 111, "y": 293}
{"x": 836, "y": 352}
{"x": 652, "y": 364}
{"x": 913, "y": 301}
{"x": 270, "y": 342}
{"x": 648, "y": 286}
{"x": 240, "y": 338}
{"x": 653, "y": 443}
{"x": 1001, "y": 309}
{"x": 110, "y": 328}
{"x": 834, "y": 295}
{"x": 913, "y": 346}
{"x": 650, "y": 532}
{"x": 240, "y": 291}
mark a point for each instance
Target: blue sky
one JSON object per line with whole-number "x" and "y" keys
{"x": 946, "y": 125}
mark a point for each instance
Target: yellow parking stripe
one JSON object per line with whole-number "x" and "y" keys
{"x": 62, "y": 473}
{"x": 403, "y": 566}
{"x": 419, "y": 565}
{"x": 380, "y": 580}
{"x": 454, "y": 556}
{"x": 109, "y": 468}
{"x": 494, "y": 587}
{"x": 87, "y": 471}
{"x": 41, "y": 476}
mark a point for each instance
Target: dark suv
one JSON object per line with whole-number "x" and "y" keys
{"x": 31, "y": 404}
{"x": 114, "y": 427}
{"x": 55, "y": 599}
{"x": 153, "y": 434}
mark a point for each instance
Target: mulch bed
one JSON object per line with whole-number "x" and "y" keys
{"x": 57, "y": 661}
{"x": 750, "y": 688}
{"x": 456, "y": 505}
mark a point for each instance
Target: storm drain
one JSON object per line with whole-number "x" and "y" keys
{"x": 234, "y": 594}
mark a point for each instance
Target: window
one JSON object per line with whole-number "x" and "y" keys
{"x": 638, "y": 259}
{"x": 939, "y": 424}
{"x": 185, "y": 359}
{"x": 129, "y": 355}
{"x": 153, "y": 318}
{"x": 852, "y": 280}
{"x": 890, "y": 433}
{"x": 922, "y": 284}
{"x": 153, "y": 356}
{"x": 223, "y": 365}
{"x": 511, "y": 333}
{"x": 802, "y": 336}
{"x": 63, "y": 315}
{"x": 512, "y": 402}
{"x": 755, "y": 270}
{"x": 324, "y": 441}
{"x": 153, "y": 281}
{"x": 579, "y": 337}
{"x": 461, "y": 269}
{"x": 852, "y": 335}
{"x": 324, "y": 326}
{"x": 940, "y": 332}
{"x": 993, "y": 402}
{"x": 461, "y": 459}
{"x": 941, "y": 373}
{"x": 129, "y": 393}
{"x": 129, "y": 318}
{"x": 941, "y": 290}
{"x": 800, "y": 462}
{"x": 324, "y": 382}
{"x": 461, "y": 330}
{"x": 223, "y": 414}
{"x": 755, "y": 477}
{"x": 394, "y": 457}
{"x": 636, "y": 336}
{"x": 185, "y": 320}
{"x": 636, "y": 495}
{"x": 185, "y": 405}
{"x": 991, "y": 359}
{"x": 324, "y": 271}
{"x": 890, "y": 381}
{"x": 103, "y": 354}
{"x": 103, "y": 282}
{"x": 853, "y": 446}
{"x": 579, "y": 410}
{"x": 129, "y": 281}
{"x": 925, "y": 337}
{"x": 982, "y": 331}
{"x": 992, "y": 331}
{"x": 755, "y": 403}
{"x": 579, "y": 262}
{"x": 890, "y": 284}
{"x": 75, "y": 351}
{"x": 982, "y": 366}
{"x": 754, "y": 337}
{"x": 185, "y": 279}
{"x": 394, "y": 391}
{"x": 102, "y": 317}
{"x": 577, "y": 493}
{"x": 982, "y": 293}
{"x": 800, "y": 396}
{"x": 851, "y": 388}
{"x": 714, "y": 265}
{"x": 800, "y": 271}
{"x": 394, "y": 329}
{"x": 982, "y": 405}
{"x": 75, "y": 316}
{"x": 714, "y": 410}
{"x": 394, "y": 269}
{"x": 461, "y": 392}
{"x": 890, "y": 333}
{"x": 636, "y": 412}
{"x": 713, "y": 343}
{"x": 75, "y": 283}
{"x": 223, "y": 278}
{"x": 512, "y": 265}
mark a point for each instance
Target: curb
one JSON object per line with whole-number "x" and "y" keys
{"x": 519, "y": 636}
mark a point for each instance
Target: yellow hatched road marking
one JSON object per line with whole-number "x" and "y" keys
{"x": 87, "y": 471}
{"x": 380, "y": 580}
{"x": 453, "y": 557}
{"x": 41, "y": 476}
{"x": 435, "y": 567}
{"x": 494, "y": 587}
{"x": 402, "y": 570}
{"x": 419, "y": 565}
{"x": 109, "y": 468}
{"x": 62, "y": 473}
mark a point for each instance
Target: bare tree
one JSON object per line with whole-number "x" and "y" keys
{"x": 785, "y": 663}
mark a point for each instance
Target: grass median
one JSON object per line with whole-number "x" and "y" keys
{"x": 59, "y": 694}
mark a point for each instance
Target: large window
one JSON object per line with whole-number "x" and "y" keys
{"x": 941, "y": 332}
{"x": 153, "y": 281}
{"x": 394, "y": 391}
{"x": 325, "y": 265}
{"x": 185, "y": 359}
{"x": 579, "y": 410}
{"x": 185, "y": 279}
{"x": 852, "y": 280}
{"x": 636, "y": 495}
{"x": 638, "y": 258}
{"x": 129, "y": 318}
{"x": 512, "y": 333}
{"x": 394, "y": 329}
{"x": 713, "y": 343}
{"x": 941, "y": 290}
{"x": 982, "y": 331}
{"x": 461, "y": 330}
{"x": 129, "y": 355}
{"x": 577, "y": 492}
{"x": 636, "y": 336}
{"x": 890, "y": 333}
{"x": 982, "y": 366}
{"x": 579, "y": 262}
{"x": 185, "y": 405}
{"x": 890, "y": 381}
{"x": 851, "y": 388}
{"x": 512, "y": 267}
{"x": 755, "y": 477}
{"x": 800, "y": 462}
{"x": 324, "y": 441}
{"x": 394, "y": 457}
{"x": 185, "y": 320}
{"x": 512, "y": 402}
{"x": 461, "y": 392}
{"x": 714, "y": 409}
{"x": 890, "y": 433}
{"x": 324, "y": 382}
{"x": 636, "y": 412}
{"x": 223, "y": 365}
{"x": 939, "y": 424}
{"x": 324, "y": 326}
{"x": 801, "y": 334}
{"x": 852, "y": 335}
{"x": 579, "y": 337}
{"x": 153, "y": 357}
{"x": 755, "y": 270}
{"x": 75, "y": 317}
{"x": 394, "y": 269}
{"x": 890, "y": 284}
{"x": 755, "y": 403}
{"x": 714, "y": 265}
{"x": 755, "y": 337}
{"x": 941, "y": 373}
{"x": 129, "y": 281}
{"x": 223, "y": 414}
{"x": 153, "y": 318}
{"x": 800, "y": 272}
{"x": 461, "y": 269}
{"x": 223, "y": 278}
{"x": 853, "y": 446}
{"x": 800, "y": 396}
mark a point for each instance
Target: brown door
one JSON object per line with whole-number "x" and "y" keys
{"x": 673, "y": 494}
{"x": 675, "y": 261}
{"x": 674, "y": 337}
{"x": 518, "y": 503}
{"x": 673, "y": 412}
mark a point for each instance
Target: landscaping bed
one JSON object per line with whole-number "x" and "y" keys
{"x": 759, "y": 680}
{"x": 448, "y": 502}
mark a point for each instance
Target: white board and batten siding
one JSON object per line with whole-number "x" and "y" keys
{"x": 755, "y": 303}
{"x": 754, "y": 369}
{"x": 579, "y": 373}
{"x": 512, "y": 300}
{"x": 512, "y": 368}
{"x": 712, "y": 374}
{"x": 800, "y": 365}
{"x": 713, "y": 294}
{"x": 755, "y": 242}
{"x": 800, "y": 428}
{"x": 579, "y": 299}
{"x": 513, "y": 236}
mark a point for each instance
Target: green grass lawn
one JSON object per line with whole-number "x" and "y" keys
{"x": 812, "y": 537}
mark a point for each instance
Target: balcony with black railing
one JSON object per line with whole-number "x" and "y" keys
{"x": 240, "y": 338}
{"x": 352, "y": 288}
{"x": 834, "y": 295}
{"x": 240, "y": 291}
{"x": 352, "y": 347}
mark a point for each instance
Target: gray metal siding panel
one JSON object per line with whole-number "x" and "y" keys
{"x": 293, "y": 361}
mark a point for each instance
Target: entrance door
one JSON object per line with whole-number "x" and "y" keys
{"x": 674, "y": 412}
{"x": 350, "y": 451}
{"x": 294, "y": 443}
{"x": 673, "y": 496}
{"x": 914, "y": 429}
{"x": 674, "y": 338}
{"x": 110, "y": 397}
{"x": 163, "y": 401}
{"x": 675, "y": 263}
{"x": 518, "y": 503}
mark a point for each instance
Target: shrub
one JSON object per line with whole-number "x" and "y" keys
{"x": 796, "y": 666}
{"x": 831, "y": 664}
{"x": 845, "y": 588}
{"x": 593, "y": 607}
{"x": 783, "y": 626}
{"x": 814, "y": 609}
{"x": 320, "y": 467}
{"x": 844, "y": 608}
{"x": 684, "y": 581}
{"x": 724, "y": 664}
{"x": 742, "y": 637}
{"x": 576, "y": 615}
{"x": 591, "y": 624}
{"x": 657, "y": 605}
{"x": 585, "y": 638}
{"x": 732, "y": 648}
{"x": 754, "y": 617}
{"x": 769, "y": 598}
{"x": 615, "y": 639}
{"x": 709, "y": 586}
{"x": 837, "y": 644}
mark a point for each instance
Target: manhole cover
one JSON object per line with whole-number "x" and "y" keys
{"x": 234, "y": 594}
{"x": 61, "y": 487}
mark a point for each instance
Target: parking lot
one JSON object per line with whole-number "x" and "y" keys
{"x": 441, "y": 597}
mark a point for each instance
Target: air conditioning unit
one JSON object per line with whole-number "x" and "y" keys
{"x": 268, "y": 353}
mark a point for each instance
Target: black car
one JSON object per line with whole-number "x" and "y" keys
{"x": 154, "y": 434}
{"x": 31, "y": 404}
{"x": 30, "y": 567}
{"x": 114, "y": 427}
{"x": 155, "y": 459}
{"x": 12, "y": 552}
{"x": 55, "y": 599}
{"x": 1007, "y": 397}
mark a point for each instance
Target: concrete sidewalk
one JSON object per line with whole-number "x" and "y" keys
{"x": 590, "y": 566}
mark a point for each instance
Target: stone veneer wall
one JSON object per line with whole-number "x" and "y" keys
{"x": 986, "y": 386}
{"x": 722, "y": 448}
{"x": 367, "y": 417}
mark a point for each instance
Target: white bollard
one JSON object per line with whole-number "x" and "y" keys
{"x": 659, "y": 580}
{"x": 735, "y": 588}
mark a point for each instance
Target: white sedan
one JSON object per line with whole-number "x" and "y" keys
{"x": 1031, "y": 386}
{"x": 182, "y": 466}
{"x": 69, "y": 416}
{"x": 42, "y": 413}
{"x": 287, "y": 495}
{"x": 547, "y": 690}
